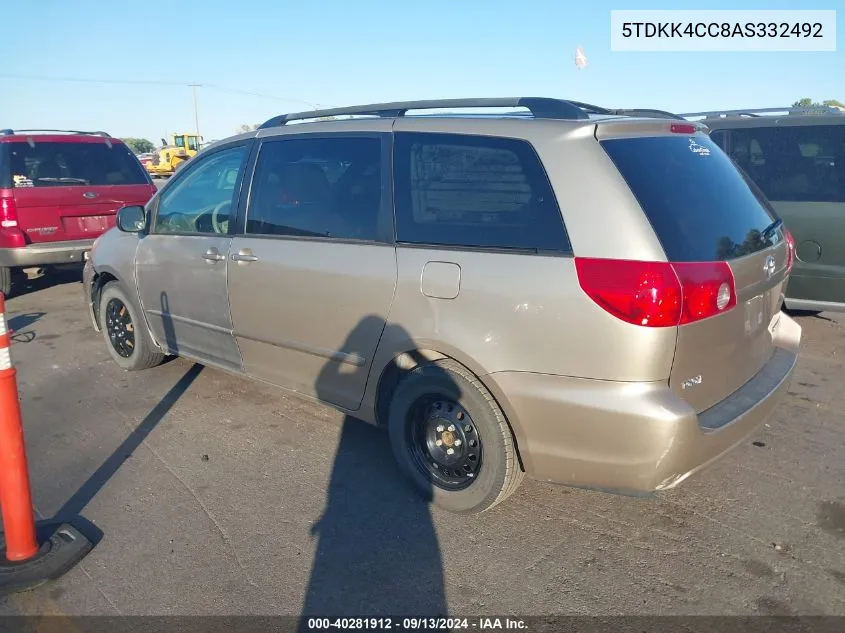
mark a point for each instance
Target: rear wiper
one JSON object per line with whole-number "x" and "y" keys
{"x": 79, "y": 180}
{"x": 774, "y": 226}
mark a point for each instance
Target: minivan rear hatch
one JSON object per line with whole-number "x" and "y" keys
{"x": 71, "y": 189}
{"x": 704, "y": 209}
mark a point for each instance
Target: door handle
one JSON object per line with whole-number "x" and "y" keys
{"x": 244, "y": 255}
{"x": 213, "y": 255}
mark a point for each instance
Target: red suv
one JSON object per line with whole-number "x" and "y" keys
{"x": 59, "y": 191}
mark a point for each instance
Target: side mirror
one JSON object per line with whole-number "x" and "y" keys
{"x": 132, "y": 219}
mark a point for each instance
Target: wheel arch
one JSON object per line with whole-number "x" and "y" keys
{"x": 103, "y": 277}
{"x": 98, "y": 282}
{"x": 404, "y": 361}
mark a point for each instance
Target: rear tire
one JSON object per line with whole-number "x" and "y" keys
{"x": 126, "y": 335}
{"x": 444, "y": 402}
{"x": 5, "y": 281}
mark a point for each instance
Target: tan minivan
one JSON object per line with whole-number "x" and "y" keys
{"x": 586, "y": 296}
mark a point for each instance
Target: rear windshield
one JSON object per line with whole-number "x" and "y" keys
{"x": 46, "y": 164}
{"x": 700, "y": 205}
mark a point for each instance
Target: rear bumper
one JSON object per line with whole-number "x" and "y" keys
{"x": 45, "y": 254}
{"x": 634, "y": 438}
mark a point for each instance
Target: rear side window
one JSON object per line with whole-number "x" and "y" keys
{"x": 47, "y": 164}
{"x": 802, "y": 163}
{"x": 699, "y": 204}
{"x": 720, "y": 136}
{"x": 474, "y": 191}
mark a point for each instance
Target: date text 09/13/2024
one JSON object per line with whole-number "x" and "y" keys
{"x": 416, "y": 624}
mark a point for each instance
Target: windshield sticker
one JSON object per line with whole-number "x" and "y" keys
{"x": 21, "y": 181}
{"x": 695, "y": 148}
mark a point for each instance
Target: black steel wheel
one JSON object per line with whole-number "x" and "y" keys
{"x": 439, "y": 413}
{"x": 444, "y": 442}
{"x": 120, "y": 328}
{"x": 127, "y": 337}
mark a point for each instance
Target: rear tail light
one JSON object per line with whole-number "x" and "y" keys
{"x": 708, "y": 289}
{"x": 658, "y": 294}
{"x": 790, "y": 250}
{"x": 8, "y": 213}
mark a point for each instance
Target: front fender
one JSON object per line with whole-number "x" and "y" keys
{"x": 113, "y": 259}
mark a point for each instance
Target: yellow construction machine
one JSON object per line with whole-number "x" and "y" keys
{"x": 171, "y": 156}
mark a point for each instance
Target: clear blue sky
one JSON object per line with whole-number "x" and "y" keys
{"x": 337, "y": 52}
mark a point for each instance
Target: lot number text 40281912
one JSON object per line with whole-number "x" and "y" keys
{"x": 417, "y": 624}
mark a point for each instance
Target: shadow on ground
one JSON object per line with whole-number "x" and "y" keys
{"x": 377, "y": 552}
{"x": 73, "y": 507}
{"x": 21, "y": 285}
{"x": 20, "y": 322}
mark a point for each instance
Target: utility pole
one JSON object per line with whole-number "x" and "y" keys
{"x": 196, "y": 112}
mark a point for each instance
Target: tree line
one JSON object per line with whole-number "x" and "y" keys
{"x": 807, "y": 102}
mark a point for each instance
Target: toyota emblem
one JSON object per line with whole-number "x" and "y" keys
{"x": 769, "y": 266}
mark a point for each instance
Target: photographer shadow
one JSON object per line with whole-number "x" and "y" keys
{"x": 378, "y": 552}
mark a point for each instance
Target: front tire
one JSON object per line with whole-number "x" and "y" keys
{"x": 126, "y": 336}
{"x": 442, "y": 407}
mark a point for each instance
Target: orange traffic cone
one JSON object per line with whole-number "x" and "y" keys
{"x": 24, "y": 563}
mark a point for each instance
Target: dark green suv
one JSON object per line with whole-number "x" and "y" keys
{"x": 797, "y": 158}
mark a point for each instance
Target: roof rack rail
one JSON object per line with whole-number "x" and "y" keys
{"x": 8, "y": 132}
{"x": 756, "y": 112}
{"x": 648, "y": 112}
{"x": 633, "y": 112}
{"x": 590, "y": 108}
{"x": 540, "y": 107}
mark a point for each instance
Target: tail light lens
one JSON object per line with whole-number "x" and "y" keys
{"x": 790, "y": 250}
{"x": 708, "y": 289}
{"x": 8, "y": 212}
{"x": 658, "y": 294}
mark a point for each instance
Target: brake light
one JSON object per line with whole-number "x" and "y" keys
{"x": 8, "y": 213}
{"x": 658, "y": 294}
{"x": 708, "y": 289}
{"x": 682, "y": 128}
{"x": 790, "y": 250}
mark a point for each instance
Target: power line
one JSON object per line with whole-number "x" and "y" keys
{"x": 310, "y": 104}
{"x": 94, "y": 81}
{"x": 154, "y": 82}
